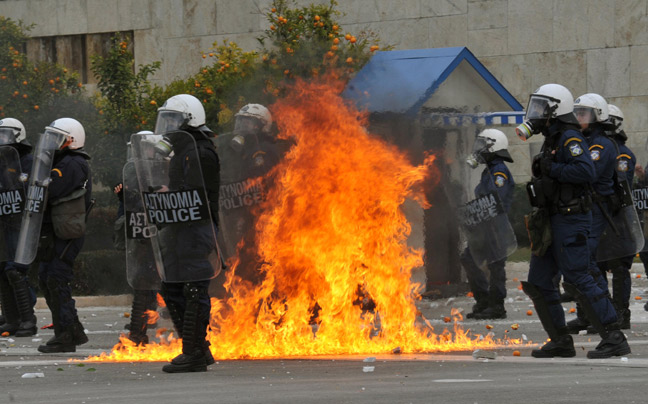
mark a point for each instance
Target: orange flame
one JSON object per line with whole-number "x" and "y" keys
{"x": 160, "y": 300}
{"x": 330, "y": 235}
{"x": 153, "y": 316}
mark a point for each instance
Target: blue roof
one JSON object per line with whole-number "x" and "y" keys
{"x": 408, "y": 78}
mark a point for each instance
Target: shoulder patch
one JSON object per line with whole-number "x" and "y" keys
{"x": 500, "y": 179}
{"x": 572, "y": 139}
{"x": 622, "y": 165}
{"x": 595, "y": 154}
{"x": 575, "y": 149}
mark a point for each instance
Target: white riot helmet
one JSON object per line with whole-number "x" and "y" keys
{"x": 591, "y": 108}
{"x": 180, "y": 112}
{"x": 256, "y": 112}
{"x": 71, "y": 129}
{"x": 616, "y": 116}
{"x": 489, "y": 143}
{"x": 12, "y": 131}
{"x": 549, "y": 101}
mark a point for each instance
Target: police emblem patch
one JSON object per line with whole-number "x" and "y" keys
{"x": 575, "y": 149}
{"x": 595, "y": 155}
{"x": 622, "y": 165}
{"x": 499, "y": 181}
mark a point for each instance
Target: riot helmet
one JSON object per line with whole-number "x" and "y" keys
{"x": 253, "y": 117}
{"x": 489, "y": 144}
{"x": 180, "y": 112}
{"x": 251, "y": 120}
{"x": 72, "y": 131}
{"x": 12, "y": 131}
{"x": 590, "y": 108}
{"x": 548, "y": 102}
{"x": 616, "y": 120}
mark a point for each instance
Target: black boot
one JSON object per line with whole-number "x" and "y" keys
{"x": 614, "y": 343}
{"x": 9, "y": 307}
{"x": 481, "y": 304}
{"x": 193, "y": 357}
{"x": 494, "y": 311}
{"x": 139, "y": 318}
{"x": 27, "y": 326}
{"x": 579, "y": 323}
{"x": 78, "y": 332}
{"x": 562, "y": 346}
{"x": 63, "y": 341}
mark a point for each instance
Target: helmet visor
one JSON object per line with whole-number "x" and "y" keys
{"x": 170, "y": 121}
{"x": 539, "y": 108}
{"x": 246, "y": 125}
{"x": 7, "y": 135}
{"x": 482, "y": 144}
{"x": 584, "y": 114}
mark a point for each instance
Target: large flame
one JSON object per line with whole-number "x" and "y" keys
{"x": 330, "y": 234}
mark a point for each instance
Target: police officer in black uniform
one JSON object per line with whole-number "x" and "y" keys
{"x": 492, "y": 150}
{"x": 620, "y": 267}
{"x": 70, "y": 175}
{"x": 188, "y": 302}
{"x": 562, "y": 174}
{"x": 16, "y": 296}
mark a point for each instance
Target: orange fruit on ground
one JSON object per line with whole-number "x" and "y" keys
{"x": 489, "y": 327}
{"x": 515, "y": 326}
{"x": 529, "y": 313}
{"x": 126, "y": 314}
{"x": 516, "y": 353}
{"x": 572, "y": 310}
{"x": 637, "y": 297}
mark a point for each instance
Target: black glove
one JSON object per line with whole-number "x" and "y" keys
{"x": 545, "y": 166}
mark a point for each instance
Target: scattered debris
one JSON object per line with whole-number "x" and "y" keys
{"x": 368, "y": 369}
{"x": 483, "y": 354}
{"x": 32, "y": 375}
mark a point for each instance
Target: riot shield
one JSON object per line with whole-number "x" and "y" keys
{"x": 244, "y": 161}
{"x": 175, "y": 202}
{"x": 623, "y": 235}
{"x": 12, "y": 198}
{"x": 483, "y": 220}
{"x": 141, "y": 267}
{"x": 36, "y": 198}
{"x": 487, "y": 229}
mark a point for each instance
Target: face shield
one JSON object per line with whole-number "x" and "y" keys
{"x": 585, "y": 115}
{"x": 170, "y": 121}
{"x": 246, "y": 125}
{"x": 481, "y": 146}
{"x": 54, "y": 139}
{"x": 7, "y": 135}
{"x": 538, "y": 108}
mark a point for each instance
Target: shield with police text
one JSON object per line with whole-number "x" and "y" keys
{"x": 623, "y": 235}
{"x": 12, "y": 200}
{"x": 141, "y": 266}
{"x": 175, "y": 202}
{"x": 487, "y": 229}
{"x": 36, "y": 198}
{"x": 244, "y": 162}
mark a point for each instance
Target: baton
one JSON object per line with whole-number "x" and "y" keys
{"x": 607, "y": 217}
{"x": 69, "y": 243}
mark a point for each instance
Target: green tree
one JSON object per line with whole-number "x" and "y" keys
{"x": 33, "y": 92}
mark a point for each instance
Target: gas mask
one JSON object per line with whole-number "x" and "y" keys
{"x": 480, "y": 147}
{"x": 163, "y": 147}
{"x": 527, "y": 129}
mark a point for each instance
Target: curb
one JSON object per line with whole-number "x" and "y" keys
{"x": 93, "y": 301}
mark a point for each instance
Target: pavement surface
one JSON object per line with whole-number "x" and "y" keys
{"x": 27, "y": 376}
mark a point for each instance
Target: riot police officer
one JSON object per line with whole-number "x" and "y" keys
{"x": 620, "y": 267}
{"x": 68, "y": 190}
{"x": 16, "y": 295}
{"x": 491, "y": 149}
{"x": 562, "y": 207}
{"x": 591, "y": 110}
{"x": 186, "y": 235}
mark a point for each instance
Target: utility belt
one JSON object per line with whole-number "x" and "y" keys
{"x": 575, "y": 206}
{"x": 613, "y": 201}
{"x": 563, "y": 198}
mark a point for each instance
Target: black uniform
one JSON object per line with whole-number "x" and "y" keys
{"x": 189, "y": 303}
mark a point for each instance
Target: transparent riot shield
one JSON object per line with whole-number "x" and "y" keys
{"x": 483, "y": 220}
{"x": 36, "y": 198}
{"x": 243, "y": 163}
{"x": 12, "y": 198}
{"x": 623, "y": 235}
{"x": 141, "y": 266}
{"x": 176, "y": 204}
{"x": 487, "y": 229}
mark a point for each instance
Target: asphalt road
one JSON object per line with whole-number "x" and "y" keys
{"x": 423, "y": 378}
